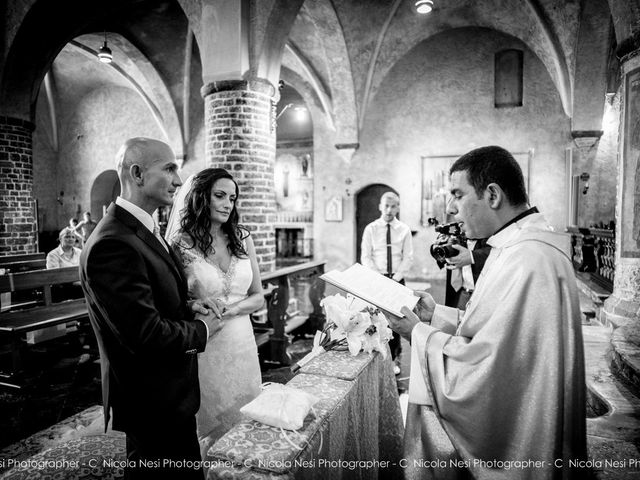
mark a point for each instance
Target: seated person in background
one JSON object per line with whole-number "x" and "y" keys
{"x": 86, "y": 226}
{"x": 66, "y": 254}
{"x": 463, "y": 271}
{"x": 73, "y": 225}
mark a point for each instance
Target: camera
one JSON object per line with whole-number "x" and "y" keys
{"x": 448, "y": 234}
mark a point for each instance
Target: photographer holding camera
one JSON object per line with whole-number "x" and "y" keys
{"x": 463, "y": 271}
{"x": 463, "y": 258}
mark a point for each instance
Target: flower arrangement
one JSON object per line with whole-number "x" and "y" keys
{"x": 352, "y": 323}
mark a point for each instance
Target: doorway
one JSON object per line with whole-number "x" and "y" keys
{"x": 367, "y": 202}
{"x": 105, "y": 189}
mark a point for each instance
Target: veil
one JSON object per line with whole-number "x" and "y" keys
{"x": 179, "y": 204}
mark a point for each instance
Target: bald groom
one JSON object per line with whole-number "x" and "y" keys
{"x": 147, "y": 333}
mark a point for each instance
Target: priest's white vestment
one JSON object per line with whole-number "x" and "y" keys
{"x": 498, "y": 391}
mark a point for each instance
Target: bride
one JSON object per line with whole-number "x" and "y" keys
{"x": 221, "y": 266}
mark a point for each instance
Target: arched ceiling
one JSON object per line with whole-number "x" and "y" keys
{"x": 76, "y": 71}
{"x": 39, "y": 29}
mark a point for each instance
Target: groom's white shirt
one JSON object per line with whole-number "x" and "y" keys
{"x": 142, "y": 216}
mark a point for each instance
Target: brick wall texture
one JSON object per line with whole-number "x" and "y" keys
{"x": 17, "y": 206}
{"x": 240, "y": 139}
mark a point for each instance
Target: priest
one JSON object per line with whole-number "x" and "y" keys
{"x": 498, "y": 391}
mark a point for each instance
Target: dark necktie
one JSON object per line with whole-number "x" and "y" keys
{"x": 389, "y": 266}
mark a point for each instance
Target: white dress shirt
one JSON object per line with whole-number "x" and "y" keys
{"x": 374, "y": 247}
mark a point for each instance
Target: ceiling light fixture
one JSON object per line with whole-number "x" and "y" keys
{"x": 424, "y": 6}
{"x": 104, "y": 54}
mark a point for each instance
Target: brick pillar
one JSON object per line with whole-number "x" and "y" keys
{"x": 18, "y": 231}
{"x": 240, "y": 138}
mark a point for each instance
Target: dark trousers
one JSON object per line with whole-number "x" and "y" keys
{"x": 395, "y": 344}
{"x": 165, "y": 450}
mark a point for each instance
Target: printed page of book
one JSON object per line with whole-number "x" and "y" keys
{"x": 373, "y": 287}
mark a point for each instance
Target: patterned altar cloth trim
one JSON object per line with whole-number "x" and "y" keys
{"x": 253, "y": 444}
{"x": 338, "y": 364}
{"x": 63, "y": 431}
{"x": 81, "y": 458}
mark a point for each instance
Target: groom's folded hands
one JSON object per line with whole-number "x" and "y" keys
{"x": 212, "y": 321}
{"x": 209, "y": 313}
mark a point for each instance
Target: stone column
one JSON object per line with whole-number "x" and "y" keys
{"x": 18, "y": 232}
{"x": 239, "y": 121}
{"x": 623, "y": 306}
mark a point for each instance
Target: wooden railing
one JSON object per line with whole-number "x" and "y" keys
{"x": 22, "y": 263}
{"x": 594, "y": 252}
{"x": 605, "y": 250}
{"x": 281, "y": 323}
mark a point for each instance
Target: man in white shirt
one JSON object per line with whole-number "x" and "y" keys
{"x": 66, "y": 254}
{"x": 387, "y": 249}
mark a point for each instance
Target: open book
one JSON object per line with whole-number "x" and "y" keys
{"x": 372, "y": 287}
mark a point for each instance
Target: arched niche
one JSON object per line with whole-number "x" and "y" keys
{"x": 105, "y": 189}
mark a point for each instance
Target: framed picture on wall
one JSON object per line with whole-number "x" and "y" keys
{"x": 630, "y": 212}
{"x": 333, "y": 209}
{"x": 435, "y": 183}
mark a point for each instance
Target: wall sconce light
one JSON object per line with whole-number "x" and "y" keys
{"x": 424, "y": 6}
{"x": 585, "y": 178}
{"x": 104, "y": 54}
{"x": 287, "y": 106}
{"x": 300, "y": 111}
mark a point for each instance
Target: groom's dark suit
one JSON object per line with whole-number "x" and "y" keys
{"x": 137, "y": 297}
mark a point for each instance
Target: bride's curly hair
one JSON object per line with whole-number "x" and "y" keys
{"x": 196, "y": 220}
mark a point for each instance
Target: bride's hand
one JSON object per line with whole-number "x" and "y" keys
{"x": 230, "y": 311}
{"x": 215, "y": 305}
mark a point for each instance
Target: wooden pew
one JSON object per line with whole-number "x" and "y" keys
{"x": 23, "y": 263}
{"x": 14, "y": 324}
{"x": 277, "y": 284}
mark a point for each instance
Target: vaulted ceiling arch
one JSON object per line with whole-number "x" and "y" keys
{"x": 531, "y": 23}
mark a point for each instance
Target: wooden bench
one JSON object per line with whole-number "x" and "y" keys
{"x": 281, "y": 323}
{"x": 23, "y": 263}
{"x": 14, "y": 324}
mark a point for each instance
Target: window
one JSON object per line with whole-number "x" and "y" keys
{"x": 508, "y": 78}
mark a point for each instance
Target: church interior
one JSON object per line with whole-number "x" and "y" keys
{"x": 317, "y": 107}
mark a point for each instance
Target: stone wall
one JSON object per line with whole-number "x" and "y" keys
{"x": 601, "y": 163}
{"x": 91, "y": 132}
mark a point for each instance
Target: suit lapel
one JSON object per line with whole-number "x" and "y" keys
{"x": 147, "y": 237}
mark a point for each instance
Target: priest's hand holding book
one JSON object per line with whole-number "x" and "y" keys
{"x": 423, "y": 312}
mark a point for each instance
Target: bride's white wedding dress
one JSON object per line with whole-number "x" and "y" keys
{"x": 229, "y": 370}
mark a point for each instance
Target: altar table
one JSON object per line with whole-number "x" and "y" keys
{"x": 356, "y": 433}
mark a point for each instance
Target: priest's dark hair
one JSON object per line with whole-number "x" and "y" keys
{"x": 493, "y": 164}
{"x": 196, "y": 220}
